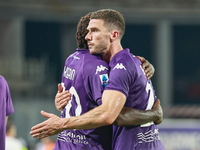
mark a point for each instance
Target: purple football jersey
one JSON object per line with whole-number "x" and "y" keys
{"x": 6, "y": 108}
{"x": 128, "y": 77}
{"x": 85, "y": 76}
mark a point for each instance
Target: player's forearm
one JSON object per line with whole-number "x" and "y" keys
{"x": 97, "y": 117}
{"x": 105, "y": 114}
{"x": 131, "y": 116}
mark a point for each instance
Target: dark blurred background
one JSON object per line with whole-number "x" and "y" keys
{"x": 36, "y": 36}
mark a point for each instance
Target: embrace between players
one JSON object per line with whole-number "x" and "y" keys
{"x": 106, "y": 99}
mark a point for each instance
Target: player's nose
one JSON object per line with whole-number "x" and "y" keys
{"x": 88, "y": 36}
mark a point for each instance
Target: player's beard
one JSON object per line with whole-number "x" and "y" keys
{"x": 97, "y": 51}
{"x": 100, "y": 49}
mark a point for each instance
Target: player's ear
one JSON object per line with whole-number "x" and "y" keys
{"x": 114, "y": 35}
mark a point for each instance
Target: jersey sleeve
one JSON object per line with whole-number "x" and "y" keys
{"x": 120, "y": 78}
{"x": 95, "y": 79}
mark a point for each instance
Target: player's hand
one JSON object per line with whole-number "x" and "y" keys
{"x": 62, "y": 98}
{"x": 158, "y": 112}
{"x": 52, "y": 126}
{"x": 147, "y": 66}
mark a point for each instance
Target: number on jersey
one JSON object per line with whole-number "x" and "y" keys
{"x": 74, "y": 93}
{"x": 149, "y": 90}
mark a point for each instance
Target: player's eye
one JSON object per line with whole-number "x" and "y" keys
{"x": 95, "y": 30}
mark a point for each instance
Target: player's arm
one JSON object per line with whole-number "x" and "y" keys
{"x": 147, "y": 66}
{"x": 105, "y": 114}
{"x": 131, "y": 116}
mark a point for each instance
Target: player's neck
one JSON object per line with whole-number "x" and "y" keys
{"x": 115, "y": 48}
{"x": 106, "y": 57}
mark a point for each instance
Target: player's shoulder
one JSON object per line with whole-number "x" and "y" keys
{"x": 132, "y": 63}
{"x": 124, "y": 59}
{"x": 93, "y": 61}
{"x": 126, "y": 64}
{"x": 71, "y": 56}
{"x": 94, "y": 65}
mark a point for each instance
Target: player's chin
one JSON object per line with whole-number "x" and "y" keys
{"x": 92, "y": 51}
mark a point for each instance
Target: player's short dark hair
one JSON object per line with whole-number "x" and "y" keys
{"x": 112, "y": 18}
{"x": 82, "y": 31}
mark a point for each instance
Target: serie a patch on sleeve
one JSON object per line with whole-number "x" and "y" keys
{"x": 104, "y": 80}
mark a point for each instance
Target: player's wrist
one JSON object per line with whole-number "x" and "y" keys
{"x": 157, "y": 116}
